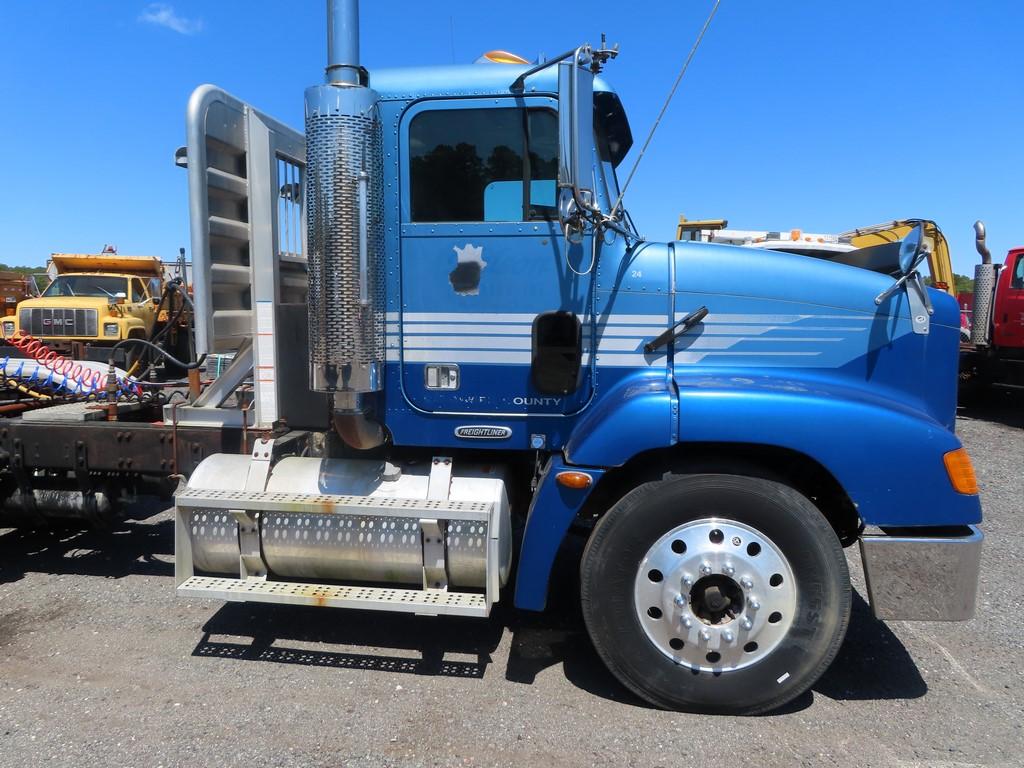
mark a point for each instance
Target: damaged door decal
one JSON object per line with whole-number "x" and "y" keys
{"x": 465, "y": 278}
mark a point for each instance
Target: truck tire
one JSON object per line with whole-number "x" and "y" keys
{"x": 715, "y": 593}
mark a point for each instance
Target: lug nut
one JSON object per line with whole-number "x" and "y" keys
{"x": 687, "y": 580}
{"x": 728, "y": 570}
{"x": 705, "y": 635}
{"x": 754, "y": 605}
{"x": 687, "y": 622}
{"x": 727, "y": 636}
{"x": 705, "y": 569}
{"x": 746, "y": 582}
{"x": 680, "y": 601}
{"x": 746, "y": 624}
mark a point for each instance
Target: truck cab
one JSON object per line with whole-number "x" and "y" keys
{"x": 498, "y": 361}
{"x": 92, "y": 302}
{"x": 993, "y": 355}
{"x": 1008, "y": 308}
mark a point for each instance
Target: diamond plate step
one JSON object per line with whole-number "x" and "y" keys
{"x": 366, "y": 598}
{"x": 307, "y": 503}
{"x": 81, "y": 411}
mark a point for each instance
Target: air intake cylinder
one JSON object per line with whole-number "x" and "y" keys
{"x": 345, "y": 229}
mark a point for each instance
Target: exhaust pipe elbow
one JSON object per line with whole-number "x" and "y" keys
{"x": 354, "y": 424}
{"x": 979, "y": 242}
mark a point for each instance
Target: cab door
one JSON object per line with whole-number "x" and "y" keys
{"x": 140, "y": 304}
{"x": 1008, "y": 311}
{"x": 489, "y": 288}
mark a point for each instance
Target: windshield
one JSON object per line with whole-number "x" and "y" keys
{"x": 87, "y": 285}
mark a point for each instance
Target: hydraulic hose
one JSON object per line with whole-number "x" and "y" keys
{"x": 159, "y": 350}
{"x": 172, "y": 286}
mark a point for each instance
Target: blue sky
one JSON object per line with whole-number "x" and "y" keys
{"x": 817, "y": 115}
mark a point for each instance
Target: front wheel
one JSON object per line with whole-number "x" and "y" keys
{"x": 715, "y": 593}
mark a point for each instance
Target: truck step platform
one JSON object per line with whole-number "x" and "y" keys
{"x": 332, "y": 504}
{"x": 418, "y": 601}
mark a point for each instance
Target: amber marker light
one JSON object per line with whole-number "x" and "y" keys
{"x": 504, "y": 57}
{"x": 574, "y": 480}
{"x": 960, "y": 471}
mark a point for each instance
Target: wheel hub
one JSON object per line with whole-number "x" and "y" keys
{"x": 715, "y": 595}
{"x": 716, "y": 599}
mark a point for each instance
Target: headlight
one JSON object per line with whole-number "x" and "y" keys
{"x": 8, "y": 327}
{"x": 110, "y": 329}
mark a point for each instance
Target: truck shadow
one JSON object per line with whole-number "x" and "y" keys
{"x": 132, "y": 548}
{"x": 385, "y": 642}
{"x": 872, "y": 663}
{"x": 998, "y": 406}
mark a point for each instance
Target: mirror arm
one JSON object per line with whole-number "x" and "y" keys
{"x": 922, "y": 289}
{"x": 911, "y": 278}
{"x": 520, "y": 82}
{"x": 891, "y": 289}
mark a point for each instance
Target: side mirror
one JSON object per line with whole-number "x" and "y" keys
{"x": 912, "y": 253}
{"x": 912, "y": 250}
{"x": 575, "y": 140}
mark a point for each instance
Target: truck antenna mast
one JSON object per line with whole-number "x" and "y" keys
{"x": 661, "y": 114}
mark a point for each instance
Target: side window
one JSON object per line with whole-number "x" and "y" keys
{"x": 542, "y": 141}
{"x": 483, "y": 164}
{"x": 1017, "y": 281}
{"x": 138, "y": 291}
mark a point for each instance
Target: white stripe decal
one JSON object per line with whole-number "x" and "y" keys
{"x": 696, "y": 357}
{"x": 466, "y": 342}
{"x": 500, "y": 317}
{"x": 465, "y": 356}
{"x": 698, "y": 342}
{"x": 715, "y": 317}
{"x": 630, "y": 361}
{"x": 466, "y": 317}
{"x": 500, "y": 330}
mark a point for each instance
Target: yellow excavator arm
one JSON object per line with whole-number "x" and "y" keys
{"x": 939, "y": 263}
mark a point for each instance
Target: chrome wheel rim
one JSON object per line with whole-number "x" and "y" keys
{"x": 715, "y": 595}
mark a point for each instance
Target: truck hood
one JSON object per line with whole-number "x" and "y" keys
{"x": 66, "y": 302}
{"x": 800, "y": 319}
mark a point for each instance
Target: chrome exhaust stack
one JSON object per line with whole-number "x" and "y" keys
{"x": 345, "y": 228}
{"x": 984, "y": 289}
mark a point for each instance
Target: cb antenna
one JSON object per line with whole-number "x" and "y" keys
{"x": 661, "y": 114}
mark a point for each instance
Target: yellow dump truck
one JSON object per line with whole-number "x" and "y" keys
{"x": 92, "y": 302}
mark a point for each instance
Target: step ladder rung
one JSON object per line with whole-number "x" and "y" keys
{"x": 336, "y": 596}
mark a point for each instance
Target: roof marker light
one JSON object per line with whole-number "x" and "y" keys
{"x": 503, "y": 57}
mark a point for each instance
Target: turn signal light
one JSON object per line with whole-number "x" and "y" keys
{"x": 961, "y": 471}
{"x": 574, "y": 480}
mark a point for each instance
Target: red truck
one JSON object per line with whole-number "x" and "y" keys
{"x": 995, "y": 353}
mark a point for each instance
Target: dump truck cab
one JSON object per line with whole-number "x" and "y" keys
{"x": 92, "y": 302}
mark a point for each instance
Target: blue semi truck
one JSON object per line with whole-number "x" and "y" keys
{"x": 462, "y": 353}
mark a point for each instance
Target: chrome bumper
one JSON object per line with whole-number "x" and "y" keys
{"x": 922, "y": 578}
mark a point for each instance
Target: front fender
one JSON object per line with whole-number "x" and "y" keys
{"x": 887, "y": 456}
{"x": 636, "y": 415}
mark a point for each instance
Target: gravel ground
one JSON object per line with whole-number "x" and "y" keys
{"x": 101, "y": 665}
